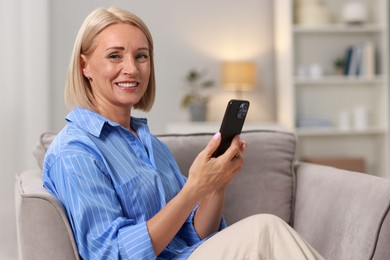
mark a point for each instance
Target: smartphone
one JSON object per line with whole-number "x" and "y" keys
{"x": 232, "y": 123}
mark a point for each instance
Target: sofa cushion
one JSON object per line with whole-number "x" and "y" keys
{"x": 267, "y": 172}
{"x": 42, "y": 146}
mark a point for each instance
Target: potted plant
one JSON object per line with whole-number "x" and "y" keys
{"x": 339, "y": 66}
{"x": 195, "y": 100}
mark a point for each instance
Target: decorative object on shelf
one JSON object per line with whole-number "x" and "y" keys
{"x": 316, "y": 71}
{"x": 354, "y": 12}
{"x": 195, "y": 100}
{"x": 338, "y": 65}
{"x": 360, "y": 118}
{"x": 313, "y": 71}
{"x": 239, "y": 76}
{"x": 357, "y": 119}
{"x": 311, "y": 13}
{"x": 344, "y": 121}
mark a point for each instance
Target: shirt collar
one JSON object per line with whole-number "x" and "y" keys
{"x": 93, "y": 122}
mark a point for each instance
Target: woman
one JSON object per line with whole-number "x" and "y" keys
{"x": 123, "y": 192}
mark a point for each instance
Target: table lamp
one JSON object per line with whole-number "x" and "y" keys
{"x": 239, "y": 76}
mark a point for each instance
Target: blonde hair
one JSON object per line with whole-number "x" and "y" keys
{"x": 78, "y": 91}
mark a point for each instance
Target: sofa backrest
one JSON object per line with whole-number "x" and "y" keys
{"x": 266, "y": 182}
{"x": 265, "y": 185}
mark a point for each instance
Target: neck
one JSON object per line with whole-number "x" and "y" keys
{"x": 120, "y": 116}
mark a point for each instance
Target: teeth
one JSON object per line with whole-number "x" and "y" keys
{"x": 128, "y": 85}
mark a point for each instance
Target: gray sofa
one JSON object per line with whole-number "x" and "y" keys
{"x": 344, "y": 215}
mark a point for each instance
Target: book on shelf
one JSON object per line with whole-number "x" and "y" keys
{"x": 360, "y": 60}
{"x": 369, "y": 59}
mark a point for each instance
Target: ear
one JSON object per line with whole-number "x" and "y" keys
{"x": 84, "y": 66}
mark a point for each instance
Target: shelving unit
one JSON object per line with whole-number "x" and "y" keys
{"x": 331, "y": 98}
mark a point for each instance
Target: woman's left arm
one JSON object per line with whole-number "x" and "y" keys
{"x": 208, "y": 217}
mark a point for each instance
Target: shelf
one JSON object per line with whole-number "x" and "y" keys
{"x": 331, "y": 131}
{"x": 212, "y": 127}
{"x": 339, "y": 28}
{"x": 339, "y": 80}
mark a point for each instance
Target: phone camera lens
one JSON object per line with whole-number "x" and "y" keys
{"x": 242, "y": 110}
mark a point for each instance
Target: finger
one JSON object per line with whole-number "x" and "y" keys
{"x": 233, "y": 149}
{"x": 213, "y": 144}
{"x": 243, "y": 146}
{"x": 236, "y": 163}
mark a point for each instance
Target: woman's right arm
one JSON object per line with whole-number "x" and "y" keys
{"x": 99, "y": 226}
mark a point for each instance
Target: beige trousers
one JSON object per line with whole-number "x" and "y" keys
{"x": 257, "y": 237}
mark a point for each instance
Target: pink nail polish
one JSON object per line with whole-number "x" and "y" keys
{"x": 217, "y": 136}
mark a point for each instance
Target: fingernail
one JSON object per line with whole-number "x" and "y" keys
{"x": 217, "y": 136}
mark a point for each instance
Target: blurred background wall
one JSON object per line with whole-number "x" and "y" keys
{"x": 36, "y": 42}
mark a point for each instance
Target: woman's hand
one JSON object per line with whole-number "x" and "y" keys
{"x": 208, "y": 175}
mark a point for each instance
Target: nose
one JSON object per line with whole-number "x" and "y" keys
{"x": 129, "y": 66}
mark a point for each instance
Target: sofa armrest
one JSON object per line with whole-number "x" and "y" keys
{"x": 341, "y": 213}
{"x": 42, "y": 225}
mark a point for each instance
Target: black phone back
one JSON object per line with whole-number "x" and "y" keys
{"x": 232, "y": 123}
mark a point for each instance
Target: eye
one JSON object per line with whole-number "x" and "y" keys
{"x": 142, "y": 57}
{"x": 114, "y": 56}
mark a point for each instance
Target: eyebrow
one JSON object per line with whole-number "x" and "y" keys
{"x": 120, "y": 48}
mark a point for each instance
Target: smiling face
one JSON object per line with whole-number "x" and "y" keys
{"x": 118, "y": 69}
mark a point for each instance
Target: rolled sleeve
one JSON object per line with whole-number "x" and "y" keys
{"x": 188, "y": 231}
{"x": 136, "y": 242}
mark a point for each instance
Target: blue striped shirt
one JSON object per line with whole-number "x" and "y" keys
{"x": 111, "y": 183}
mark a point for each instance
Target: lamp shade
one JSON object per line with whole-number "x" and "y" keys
{"x": 238, "y": 75}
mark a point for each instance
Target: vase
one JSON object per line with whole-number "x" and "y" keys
{"x": 354, "y": 12}
{"x": 198, "y": 112}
